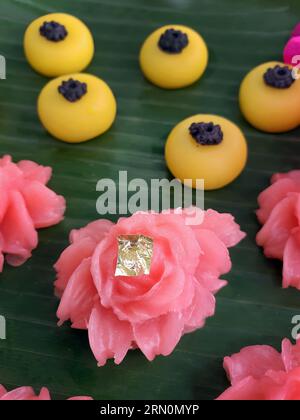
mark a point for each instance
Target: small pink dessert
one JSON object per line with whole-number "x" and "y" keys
{"x": 292, "y": 49}
{"x": 147, "y": 311}
{"x": 27, "y": 394}
{"x": 260, "y": 373}
{"x": 26, "y": 205}
{"x": 280, "y": 214}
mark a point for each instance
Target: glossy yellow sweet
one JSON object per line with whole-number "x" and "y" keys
{"x": 174, "y": 71}
{"x": 217, "y": 165}
{"x": 71, "y": 55}
{"x": 267, "y": 108}
{"x": 80, "y": 121}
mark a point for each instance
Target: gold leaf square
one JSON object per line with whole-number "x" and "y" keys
{"x": 134, "y": 256}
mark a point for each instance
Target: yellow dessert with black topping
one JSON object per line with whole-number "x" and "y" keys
{"x": 270, "y": 98}
{"x": 58, "y": 44}
{"x": 174, "y": 57}
{"x": 206, "y": 147}
{"x": 77, "y": 107}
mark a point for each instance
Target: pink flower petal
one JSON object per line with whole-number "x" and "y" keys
{"x": 44, "y": 395}
{"x": 109, "y": 337}
{"x": 97, "y": 230}
{"x": 45, "y": 207}
{"x": 2, "y": 391}
{"x": 290, "y": 355}
{"x": 246, "y": 390}
{"x": 213, "y": 262}
{"x": 224, "y": 226}
{"x": 69, "y": 260}
{"x": 5, "y": 160}
{"x": 34, "y": 172}
{"x": 269, "y": 198}
{"x": 292, "y": 175}
{"x": 252, "y": 361}
{"x": 202, "y": 307}
{"x": 4, "y": 198}
{"x": 291, "y": 262}
{"x": 18, "y": 232}
{"x": 159, "y": 336}
{"x": 275, "y": 233}
{"x": 19, "y": 394}
{"x": 27, "y": 394}
{"x": 78, "y": 299}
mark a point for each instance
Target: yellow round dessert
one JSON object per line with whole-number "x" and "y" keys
{"x": 58, "y": 44}
{"x": 270, "y": 98}
{"x": 209, "y": 148}
{"x": 174, "y": 57}
{"x": 77, "y": 107}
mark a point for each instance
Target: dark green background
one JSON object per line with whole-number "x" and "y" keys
{"x": 252, "y": 309}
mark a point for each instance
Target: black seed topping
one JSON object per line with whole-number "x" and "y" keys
{"x": 173, "y": 41}
{"x": 206, "y": 134}
{"x": 73, "y": 90}
{"x": 280, "y": 77}
{"x": 53, "y": 31}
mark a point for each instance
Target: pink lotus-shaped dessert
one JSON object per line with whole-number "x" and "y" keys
{"x": 27, "y": 394}
{"x": 280, "y": 214}
{"x": 26, "y": 204}
{"x": 150, "y": 310}
{"x": 260, "y": 373}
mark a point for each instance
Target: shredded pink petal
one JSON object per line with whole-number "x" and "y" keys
{"x": 261, "y": 373}
{"x": 26, "y": 204}
{"x": 149, "y": 312}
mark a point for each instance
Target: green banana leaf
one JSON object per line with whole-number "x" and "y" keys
{"x": 253, "y": 309}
